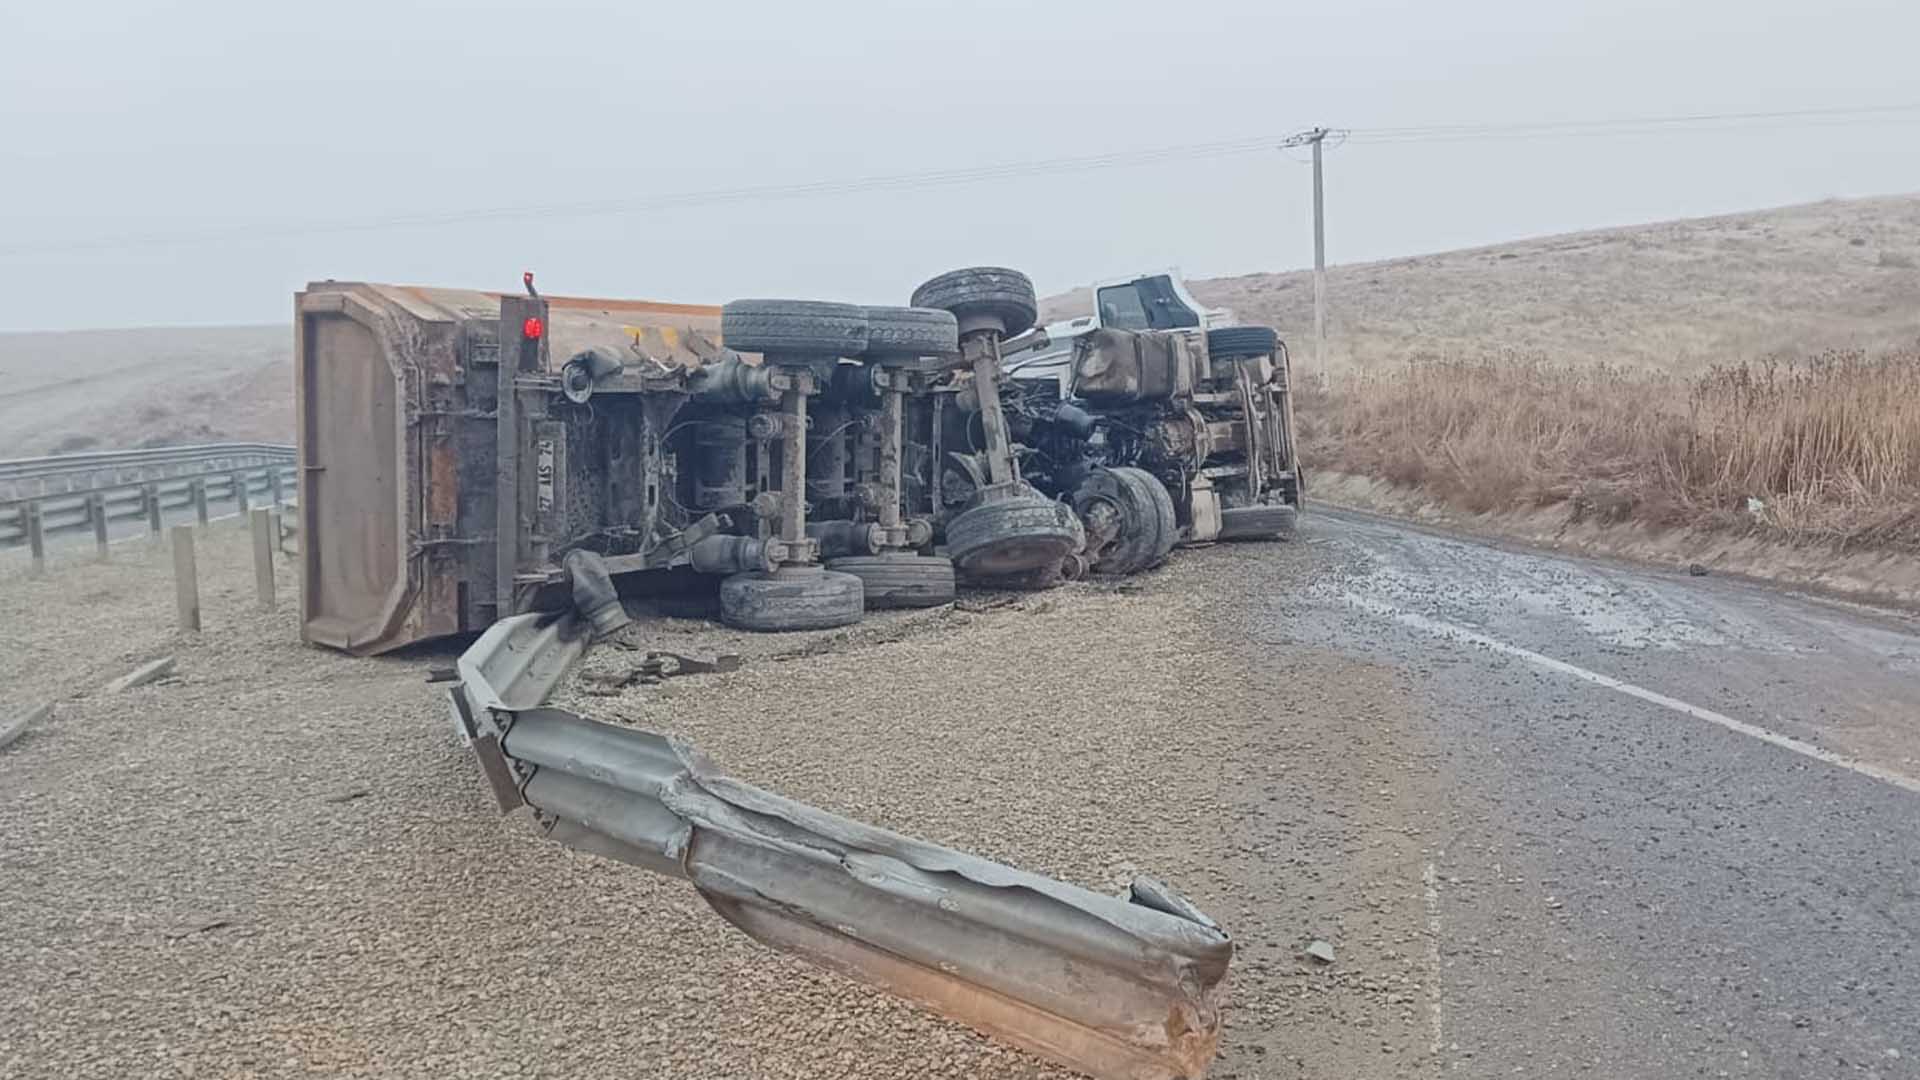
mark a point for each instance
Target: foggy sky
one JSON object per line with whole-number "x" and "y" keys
{"x": 130, "y": 120}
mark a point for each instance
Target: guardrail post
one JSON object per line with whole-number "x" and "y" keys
{"x": 97, "y": 517}
{"x": 36, "y": 536}
{"x": 273, "y": 485}
{"x": 186, "y": 578}
{"x": 264, "y": 527}
{"x": 240, "y": 500}
{"x": 198, "y": 487}
{"x": 150, "y": 493}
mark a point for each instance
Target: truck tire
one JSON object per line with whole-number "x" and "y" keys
{"x": 1258, "y": 523}
{"x": 900, "y": 580}
{"x": 911, "y": 332}
{"x": 988, "y": 291}
{"x": 791, "y": 598}
{"x": 1013, "y": 536}
{"x": 807, "y": 327}
{"x": 1149, "y": 527}
{"x": 1231, "y": 341}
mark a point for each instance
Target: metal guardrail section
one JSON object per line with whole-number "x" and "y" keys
{"x": 36, "y": 477}
{"x": 12, "y": 467}
{"x": 1123, "y": 987}
{"x": 132, "y": 501}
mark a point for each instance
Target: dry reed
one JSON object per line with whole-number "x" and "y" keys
{"x": 1826, "y": 448}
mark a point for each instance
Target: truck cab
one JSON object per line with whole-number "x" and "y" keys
{"x": 1150, "y": 301}
{"x": 1154, "y": 380}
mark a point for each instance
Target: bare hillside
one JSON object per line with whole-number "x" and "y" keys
{"x": 1681, "y": 294}
{"x": 98, "y": 389}
{"x": 1678, "y": 295}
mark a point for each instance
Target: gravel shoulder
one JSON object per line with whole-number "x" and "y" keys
{"x": 280, "y": 861}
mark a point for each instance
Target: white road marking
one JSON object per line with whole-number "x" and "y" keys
{"x": 1439, "y": 628}
{"x": 1431, "y": 880}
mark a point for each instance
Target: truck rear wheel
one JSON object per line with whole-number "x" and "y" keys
{"x": 900, "y": 579}
{"x": 791, "y": 598}
{"x": 1013, "y": 536}
{"x": 1258, "y": 523}
{"x": 1147, "y": 527}
{"x": 812, "y": 327}
{"x": 983, "y": 291}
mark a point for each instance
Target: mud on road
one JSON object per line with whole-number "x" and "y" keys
{"x": 281, "y": 861}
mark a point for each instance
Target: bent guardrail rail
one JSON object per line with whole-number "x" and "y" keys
{"x": 1120, "y": 987}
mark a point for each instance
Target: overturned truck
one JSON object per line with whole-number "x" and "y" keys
{"x": 465, "y": 455}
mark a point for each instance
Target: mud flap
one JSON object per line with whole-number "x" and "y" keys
{"x": 1118, "y": 987}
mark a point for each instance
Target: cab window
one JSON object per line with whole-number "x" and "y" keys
{"x": 1147, "y": 304}
{"x": 1120, "y": 309}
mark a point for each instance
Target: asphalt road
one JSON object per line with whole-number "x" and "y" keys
{"x": 1664, "y": 825}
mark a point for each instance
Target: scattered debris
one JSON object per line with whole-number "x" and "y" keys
{"x": 658, "y": 666}
{"x": 666, "y": 664}
{"x": 1320, "y": 951}
{"x": 443, "y": 674}
{"x": 198, "y": 928}
{"x": 16, "y": 727}
{"x": 820, "y": 646}
{"x": 142, "y": 675}
{"x": 987, "y": 603}
{"x": 1696, "y": 570}
{"x": 348, "y": 796}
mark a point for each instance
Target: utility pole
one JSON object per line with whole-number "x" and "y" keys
{"x": 1314, "y": 138}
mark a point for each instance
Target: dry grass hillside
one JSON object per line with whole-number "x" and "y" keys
{"x": 1678, "y": 295}
{"x": 108, "y": 389}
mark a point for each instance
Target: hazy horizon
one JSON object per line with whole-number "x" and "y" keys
{"x": 1045, "y": 291}
{"x": 234, "y": 119}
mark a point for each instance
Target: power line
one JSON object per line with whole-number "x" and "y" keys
{"x": 1317, "y": 138}
{"x": 951, "y": 177}
{"x": 678, "y": 200}
{"x": 1633, "y": 125}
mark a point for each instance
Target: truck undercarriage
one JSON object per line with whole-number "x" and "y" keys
{"x": 459, "y": 448}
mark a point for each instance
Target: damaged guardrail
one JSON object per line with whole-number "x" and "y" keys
{"x": 1125, "y": 987}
